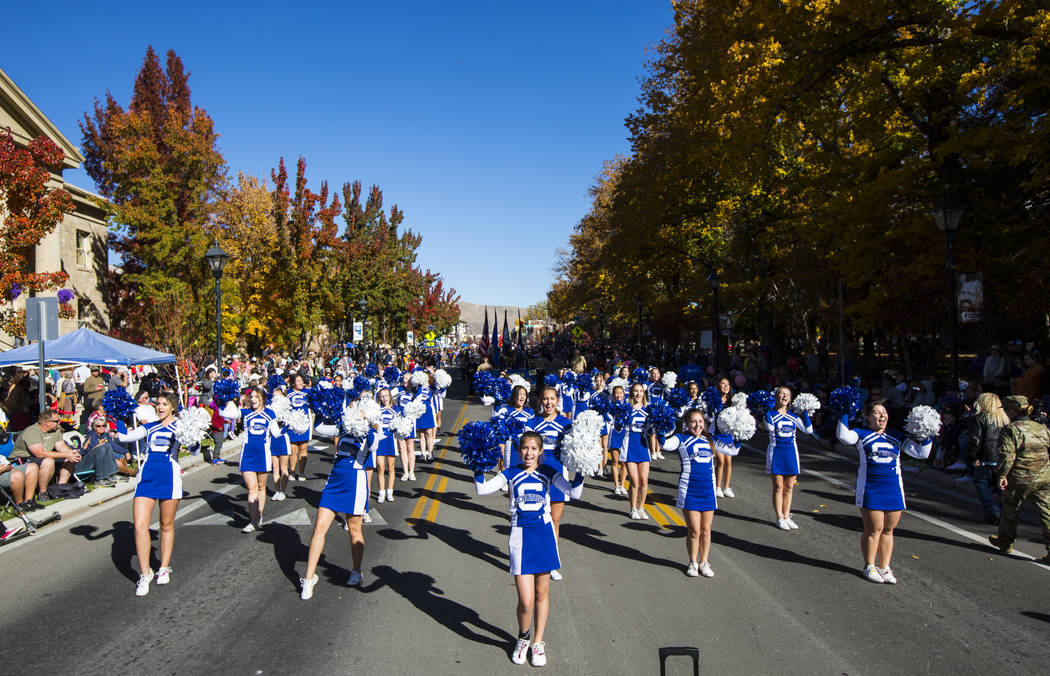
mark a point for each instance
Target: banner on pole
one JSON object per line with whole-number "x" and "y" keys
{"x": 970, "y": 297}
{"x": 359, "y": 331}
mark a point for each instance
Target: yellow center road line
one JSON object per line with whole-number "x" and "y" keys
{"x": 657, "y": 515}
{"x": 671, "y": 512}
{"x": 421, "y": 503}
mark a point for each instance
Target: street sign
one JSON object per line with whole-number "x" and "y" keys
{"x": 577, "y": 331}
{"x": 431, "y": 328}
{"x": 410, "y": 338}
{"x": 430, "y": 336}
{"x": 359, "y": 331}
{"x": 41, "y": 318}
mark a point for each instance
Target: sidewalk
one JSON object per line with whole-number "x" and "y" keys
{"x": 101, "y": 495}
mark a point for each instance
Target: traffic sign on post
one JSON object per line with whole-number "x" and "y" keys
{"x": 41, "y": 325}
{"x": 430, "y": 336}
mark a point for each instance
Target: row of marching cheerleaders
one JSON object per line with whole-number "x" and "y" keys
{"x": 278, "y": 424}
{"x": 588, "y": 424}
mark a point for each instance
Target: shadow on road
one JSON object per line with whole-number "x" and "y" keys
{"x": 1036, "y": 615}
{"x": 777, "y": 553}
{"x": 419, "y": 590}
{"x": 593, "y": 539}
{"x": 458, "y": 539}
{"x": 122, "y": 547}
{"x": 288, "y": 548}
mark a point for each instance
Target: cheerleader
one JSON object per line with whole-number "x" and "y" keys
{"x": 637, "y": 451}
{"x": 566, "y": 393}
{"x": 279, "y": 450}
{"x": 387, "y": 449}
{"x": 782, "y": 463}
{"x": 515, "y": 408}
{"x": 402, "y": 394}
{"x": 654, "y": 388}
{"x": 617, "y": 435}
{"x": 345, "y": 492}
{"x": 696, "y": 490}
{"x": 692, "y": 390}
{"x": 299, "y": 441}
{"x": 439, "y": 401}
{"x": 551, "y": 427}
{"x": 582, "y": 399}
{"x": 723, "y": 463}
{"x": 160, "y": 481}
{"x": 425, "y": 425}
{"x": 260, "y": 424}
{"x": 880, "y": 489}
{"x": 533, "y": 534}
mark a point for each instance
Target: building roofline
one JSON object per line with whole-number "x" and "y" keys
{"x": 33, "y": 115}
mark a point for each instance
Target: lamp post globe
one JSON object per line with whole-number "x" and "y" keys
{"x": 217, "y": 258}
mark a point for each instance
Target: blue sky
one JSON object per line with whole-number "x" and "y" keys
{"x": 485, "y": 122}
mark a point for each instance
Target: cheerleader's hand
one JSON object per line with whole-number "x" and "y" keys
{"x": 844, "y": 419}
{"x": 479, "y": 477}
{"x": 577, "y": 480}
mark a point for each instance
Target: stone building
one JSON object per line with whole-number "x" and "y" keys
{"x": 78, "y": 245}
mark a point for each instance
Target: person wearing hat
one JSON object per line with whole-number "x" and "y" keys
{"x": 1023, "y": 472}
{"x": 94, "y": 390}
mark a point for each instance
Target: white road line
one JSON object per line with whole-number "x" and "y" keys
{"x": 197, "y": 505}
{"x": 962, "y": 532}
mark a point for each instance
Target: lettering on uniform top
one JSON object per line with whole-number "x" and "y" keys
{"x": 550, "y": 440}
{"x": 785, "y": 428}
{"x": 882, "y": 452}
{"x": 258, "y": 425}
{"x": 529, "y": 499}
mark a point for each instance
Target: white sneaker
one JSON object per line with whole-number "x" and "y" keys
{"x": 555, "y": 575}
{"x": 355, "y": 578}
{"x": 521, "y": 650}
{"x": 366, "y": 518}
{"x": 729, "y": 492}
{"x": 644, "y": 515}
{"x": 634, "y": 514}
{"x": 404, "y": 476}
{"x": 390, "y": 495}
{"x": 887, "y": 576}
{"x": 539, "y": 657}
{"x": 382, "y": 496}
{"x": 278, "y": 496}
{"x": 164, "y": 575}
{"x": 705, "y": 569}
{"x": 142, "y": 588}
{"x": 691, "y": 570}
{"x": 658, "y": 456}
{"x": 719, "y": 493}
{"x": 307, "y": 587}
{"x": 250, "y": 528}
{"x": 623, "y": 490}
{"x": 871, "y": 574}
{"x": 412, "y": 476}
{"x": 791, "y": 522}
{"x": 783, "y": 524}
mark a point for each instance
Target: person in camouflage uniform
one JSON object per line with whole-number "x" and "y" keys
{"x": 1023, "y": 472}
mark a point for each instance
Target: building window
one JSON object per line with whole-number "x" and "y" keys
{"x": 82, "y": 311}
{"x": 83, "y": 249}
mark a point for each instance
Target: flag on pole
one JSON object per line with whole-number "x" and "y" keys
{"x": 504, "y": 340}
{"x": 521, "y": 332}
{"x": 494, "y": 345}
{"x": 483, "y": 344}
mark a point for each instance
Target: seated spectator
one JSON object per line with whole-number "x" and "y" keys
{"x": 144, "y": 411}
{"x": 42, "y": 444}
{"x": 98, "y": 455}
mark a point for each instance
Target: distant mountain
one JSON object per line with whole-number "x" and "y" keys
{"x": 474, "y": 315}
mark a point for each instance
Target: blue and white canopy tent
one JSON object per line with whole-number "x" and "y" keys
{"x": 85, "y": 346}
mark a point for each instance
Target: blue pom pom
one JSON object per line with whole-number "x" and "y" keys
{"x": 568, "y": 377}
{"x": 661, "y": 417}
{"x": 551, "y": 380}
{"x": 327, "y": 403}
{"x": 225, "y": 390}
{"x": 275, "y": 381}
{"x": 391, "y": 375}
{"x": 713, "y": 398}
{"x": 480, "y": 443}
{"x": 118, "y": 404}
{"x": 488, "y": 385}
{"x": 361, "y": 383}
{"x": 761, "y": 400}
{"x": 509, "y": 426}
{"x": 639, "y": 375}
{"x": 676, "y": 397}
{"x": 846, "y": 399}
{"x": 621, "y": 413}
{"x": 585, "y": 382}
{"x": 600, "y": 403}
{"x": 372, "y": 370}
{"x": 503, "y": 390}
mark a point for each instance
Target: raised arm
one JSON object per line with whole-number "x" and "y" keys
{"x": 770, "y": 427}
{"x": 844, "y": 433}
{"x": 274, "y": 428}
{"x": 803, "y": 423}
{"x": 133, "y": 435}
{"x": 918, "y": 449}
{"x": 672, "y": 443}
{"x": 490, "y": 486}
{"x": 573, "y": 489}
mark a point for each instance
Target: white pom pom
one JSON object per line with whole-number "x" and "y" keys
{"x": 669, "y": 379}
{"x": 581, "y": 448}
{"x": 805, "y": 403}
{"x": 923, "y": 422}
{"x": 488, "y": 401}
{"x": 370, "y": 409}
{"x": 442, "y": 379}
{"x": 420, "y": 379}
{"x": 230, "y": 410}
{"x": 617, "y": 382}
{"x": 738, "y": 421}
{"x": 414, "y": 409}
{"x": 324, "y": 384}
{"x": 739, "y": 400}
{"x": 327, "y": 430}
{"x": 298, "y": 421}
{"x": 192, "y": 426}
{"x": 516, "y": 380}
{"x": 354, "y": 422}
{"x": 403, "y": 427}
{"x": 281, "y": 407}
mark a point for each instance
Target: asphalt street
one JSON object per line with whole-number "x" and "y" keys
{"x": 437, "y": 597}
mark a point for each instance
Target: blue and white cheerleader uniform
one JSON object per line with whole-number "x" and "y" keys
{"x": 346, "y": 490}
{"x": 655, "y": 389}
{"x": 387, "y": 445}
{"x": 879, "y": 482}
{"x": 425, "y": 421}
{"x": 696, "y": 403}
{"x": 636, "y": 441}
{"x": 533, "y": 544}
{"x": 401, "y": 396}
{"x": 567, "y": 399}
{"x": 299, "y": 402}
{"x": 696, "y": 483}
{"x": 160, "y": 477}
{"x": 439, "y": 398}
{"x": 552, "y": 432}
{"x": 259, "y": 426}
{"x": 782, "y": 451}
{"x": 525, "y": 414}
{"x": 279, "y": 445}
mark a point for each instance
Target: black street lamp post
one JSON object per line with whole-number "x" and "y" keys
{"x": 217, "y": 259}
{"x": 638, "y": 303}
{"x": 363, "y": 305}
{"x": 714, "y": 281}
{"x": 946, "y": 215}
